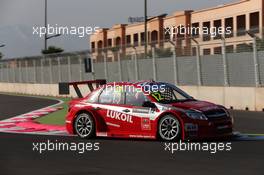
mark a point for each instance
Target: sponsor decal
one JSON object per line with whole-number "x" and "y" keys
{"x": 119, "y": 116}
{"x": 142, "y": 136}
{"x": 141, "y": 110}
{"x": 145, "y": 124}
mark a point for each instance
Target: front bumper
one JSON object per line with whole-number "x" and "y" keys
{"x": 215, "y": 128}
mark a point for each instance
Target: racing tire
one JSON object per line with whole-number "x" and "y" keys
{"x": 169, "y": 128}
{"x": 84, "y": 126}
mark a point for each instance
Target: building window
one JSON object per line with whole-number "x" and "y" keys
{"x": 154, "y": 37}
{"x": 128, "y": 40}
{"x": 135, "y": 39}
{"x": 229, "y": 24}
{"x": 142, "y": 38}
{"x": 206, "y": 51}
{"x": 194, "y": 51}
{"x": 195, "y": 30}
{"x": 254, "y": 22}
{"x": 207, "y": 34}
{"x": 217, "y": 25}
{"x": 118, "y": 41}
{"x": 100, "y": 44}
{"x": 93, "y": 46}
{"x": 109, "y": 43}
{"x": 217, "y": 50}
{"x": 180, "y": 32}
{"x": 230, "y": 49}
{"x": 241, "y": 25}
{"x": 244, "y": 48}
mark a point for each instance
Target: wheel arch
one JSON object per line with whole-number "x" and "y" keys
{"x": 83, "y": 111}
{"x": 174, "y": 114}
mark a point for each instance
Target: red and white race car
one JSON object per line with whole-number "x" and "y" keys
{"x": 148, "y": 110}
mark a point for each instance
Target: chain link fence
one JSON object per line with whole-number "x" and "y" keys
{"x": 185, "y": 62}
{"x": 45, "y": 69}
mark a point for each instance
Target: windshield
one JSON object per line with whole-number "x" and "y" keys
{"x": 167, "y": 93}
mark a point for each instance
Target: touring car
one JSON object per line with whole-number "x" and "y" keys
{"x": 147, "y": 109}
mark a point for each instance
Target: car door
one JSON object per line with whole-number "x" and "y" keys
{"x": 141, "y": 124}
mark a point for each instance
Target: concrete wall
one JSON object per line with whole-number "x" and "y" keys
{"x": 236, "y": 97}
{"x": 39, "y": 89}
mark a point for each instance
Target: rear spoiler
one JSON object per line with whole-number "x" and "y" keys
{"x": 64, "y": 87}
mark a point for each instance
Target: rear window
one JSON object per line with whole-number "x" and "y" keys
{"x": 93, "y": 97}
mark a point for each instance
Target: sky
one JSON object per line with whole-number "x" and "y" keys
{"x": 18, "y": 17}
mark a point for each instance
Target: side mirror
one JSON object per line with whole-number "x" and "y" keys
{"x": 149, "y": 104}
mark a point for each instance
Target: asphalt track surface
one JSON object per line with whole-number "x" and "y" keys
{"x": 11, "y": 106}
{"x": 124, "y": 156}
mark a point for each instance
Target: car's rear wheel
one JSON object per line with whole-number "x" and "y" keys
{"x": 169, "y": 128}
{"x": 84, "y": 126}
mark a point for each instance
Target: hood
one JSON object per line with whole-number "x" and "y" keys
{"x": 196, "y": 105}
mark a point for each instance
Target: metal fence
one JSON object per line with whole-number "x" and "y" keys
{"x": 239, "y": 65}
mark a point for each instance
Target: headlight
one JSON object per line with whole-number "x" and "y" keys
{"x": 196, "y": 115}
{"x": 229, "y": 115}
{"x": 227, "y": 112}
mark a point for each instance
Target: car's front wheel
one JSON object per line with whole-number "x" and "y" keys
{"x": 84, "y": 125}
{"x": 169, "y": 128}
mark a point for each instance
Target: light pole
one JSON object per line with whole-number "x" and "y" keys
{"x": 255, "y": 58}
{"x": 45, "y": 21}
{"x": 146, "y": 24}
{"x": 146, "y": 29}
{"x": 1, "y": 55}
{"x": 46, "y": 26}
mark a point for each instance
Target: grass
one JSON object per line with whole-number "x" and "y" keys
{"x": 252, "y": 135}
{"x": 58, "y": 117}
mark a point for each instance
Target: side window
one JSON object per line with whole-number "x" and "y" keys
{"x": 111, "y": 96}
{"x": 135, "y": 97}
